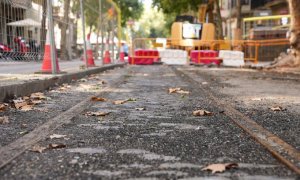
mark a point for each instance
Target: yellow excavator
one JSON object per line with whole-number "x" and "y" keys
{"x": 190, "y": 33}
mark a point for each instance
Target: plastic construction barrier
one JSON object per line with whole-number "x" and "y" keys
{"x": 232, "y": 58}
{"x": 144, "y": 57}
{"x": 205, "y": 57}
{"x": 173, "y": 57}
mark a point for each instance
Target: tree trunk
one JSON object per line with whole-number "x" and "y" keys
{"x": 219, "y": 27}
{"x": 238, "y": 30}
{"x": 210, "y": 9}
{"x": 294, "y": 6}
{"x": 238, "y": 14}
{"x": 97, "y": 43}
{"x": 43, "y": 27}
{"x": 64, "y": 55}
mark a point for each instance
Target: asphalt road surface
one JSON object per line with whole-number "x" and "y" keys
{"x": 153, "y": 134}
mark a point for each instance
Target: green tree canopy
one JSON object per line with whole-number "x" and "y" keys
{"x": 130, "y": 9}
{"x": 177, "y": 6}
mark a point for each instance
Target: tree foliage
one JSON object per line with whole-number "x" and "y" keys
{"x": 153, "y": 23}
{"x": 177, "y": 6}
{"x": 130, "y": 9}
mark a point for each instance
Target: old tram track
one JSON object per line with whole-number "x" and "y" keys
{"x": 282, "y": 151}
{"x": 11, "y": 151}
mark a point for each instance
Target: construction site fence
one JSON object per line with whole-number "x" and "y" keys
{"x": 254, "y": 50}
{"x": 24, "y": 25}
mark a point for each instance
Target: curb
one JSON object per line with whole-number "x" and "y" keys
{"x": 26, "y": 88}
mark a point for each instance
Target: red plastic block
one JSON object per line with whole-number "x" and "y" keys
{"x": 205, "y": 57}
{"x": 141, "y": 60}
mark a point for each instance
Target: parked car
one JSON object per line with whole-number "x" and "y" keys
{"x": 5, "y": 51}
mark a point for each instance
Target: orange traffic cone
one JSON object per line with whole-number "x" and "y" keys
{"x": 89, "y": 52}
{"x": 107, "y": 59}
{"x": 122, "y": 54}
{"x": 47, "y": 65}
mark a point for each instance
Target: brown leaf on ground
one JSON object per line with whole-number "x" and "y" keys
{"x": 256, "y": 99}
{"x": 94, "y": 98}
{"x": 3, "y": 107}
{"x": 57, "y": 146}
{"x": 140, "y": 109}
{"x": 97, "y": 113}
{"x": 26, "y": 108}
{"x": 38, "y": 96}
{"x": 183, "y": 92}
{"x": 57, "y": 136}
{"x": 34, "y": 102}
{"x": 219, "y": 167}
{"x": 174, "y": 90}
{"x": 120, "y": 102}
{"x": 64, "y": 87}
{"x": 202, "y": 113}
{"x": 19, "y": 103}
{"x": 25, "y": 98}
{"x": 82, "y": 80}
{"x": 277, "y": 108}
{"x": 38, "y": 148}
{"x": 102, "y": 82}
{"x": 4, "y": 120}
{"x": 178, "y": 90}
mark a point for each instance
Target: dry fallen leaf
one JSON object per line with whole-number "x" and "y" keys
{"x": 38, "y": 148}
{"x": 19, "y": 103}
{"x": 57, "y": 136}
{"x": 277, "y": 108}
{"x": 3, "y": 107}
{"x": 256, "y": 99}
{"x": 56, "y": 146}
{"x": 34, "y": 102}
{"x": 25, "y": 98}
{"x": 220, "y": 167}
{"x": 94, "y": 98}
{"x": 38, "y": 96}
{"x": 178, "y": 90}
{"x": 97, "y": 113}
{"x": 183, "y": 92}
{"x": 4, "y": 120}
{"x": 174, "y": 90}
{"x": 120, "y": 102}
{"x": 82, "y": 80}
{"x": 202, "y": 113}
{"x": 102, "y": 82}
{"x": 140, "y": 109}
{"x": 26, "y": 108}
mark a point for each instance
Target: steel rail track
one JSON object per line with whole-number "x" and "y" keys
{"x": 19, "y": 146}
{"x": 281, "y": 150}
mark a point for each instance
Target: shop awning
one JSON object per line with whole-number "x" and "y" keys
{"x": 25, "y": 23}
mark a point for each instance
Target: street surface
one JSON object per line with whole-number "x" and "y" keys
{"x": 153, "y": 134}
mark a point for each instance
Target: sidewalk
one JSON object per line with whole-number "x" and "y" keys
{"x": 19, "y": 79}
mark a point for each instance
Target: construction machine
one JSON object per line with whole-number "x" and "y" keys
{"x": 187, "y": 33}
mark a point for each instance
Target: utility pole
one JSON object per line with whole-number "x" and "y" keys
{"x": 52, "y": 40}
{"x": 83, "y": 32}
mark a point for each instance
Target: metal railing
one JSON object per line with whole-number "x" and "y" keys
{"x": 254, "y": 50}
